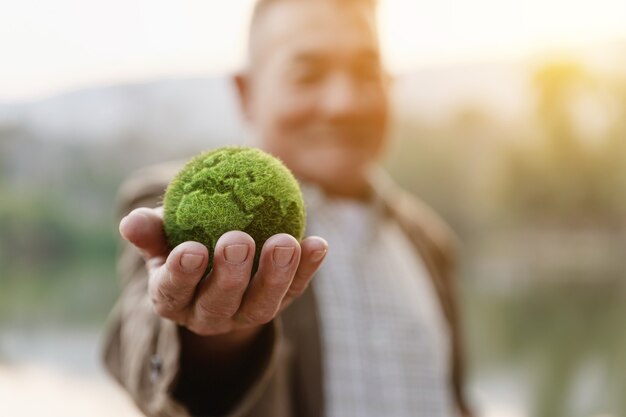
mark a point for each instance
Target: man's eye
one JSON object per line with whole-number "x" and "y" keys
{"x": 307, "y": 75}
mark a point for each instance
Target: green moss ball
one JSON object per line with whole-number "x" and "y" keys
{"x": 233, "y": 188}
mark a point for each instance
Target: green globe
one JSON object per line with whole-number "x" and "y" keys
{"x": 233, "y": 188}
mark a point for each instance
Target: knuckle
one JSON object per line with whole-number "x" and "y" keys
{"x": 231, "y": 282}
{"x": 296, "y": 290}
{"x": 220, "y": 312}
{"x": 166, "y": 300}
{"x": 258, "y": 316}
{"x": 276, "y": 280}
{"x": 163, "y": 311}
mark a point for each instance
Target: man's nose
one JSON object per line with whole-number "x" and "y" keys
{"x": 341, "y": 97}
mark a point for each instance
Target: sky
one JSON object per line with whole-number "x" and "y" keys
{"x": 50, "y": 47}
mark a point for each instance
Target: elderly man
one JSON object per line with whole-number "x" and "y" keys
{"x": 375, "y": 333}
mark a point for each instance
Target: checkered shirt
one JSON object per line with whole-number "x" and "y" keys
{"x": 384, "y": 339}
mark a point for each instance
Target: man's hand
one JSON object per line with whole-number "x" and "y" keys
{"x": 228, "y": 307}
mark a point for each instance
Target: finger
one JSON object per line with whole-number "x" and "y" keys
{"x": 221, "y": 293}
{"x": 277, "y": 265}
{"x": 314, "y": 250}
{"x": 173, "y": 285}
{"x": 143, "y": 227}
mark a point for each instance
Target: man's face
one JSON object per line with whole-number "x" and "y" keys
{"x": 316, "y": 93}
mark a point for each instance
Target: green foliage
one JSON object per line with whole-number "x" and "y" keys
{"x": 52, "y": 266}
{"x": 40, "y": 227}
{"x": 561, "y": 174}
{"x": 233, "y": 188}
{"x": 552, "y": 329}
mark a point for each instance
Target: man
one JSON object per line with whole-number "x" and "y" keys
{"x": 376, "y": 332}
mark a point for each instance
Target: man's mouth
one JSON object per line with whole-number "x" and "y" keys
{"x": 351, "y": 137}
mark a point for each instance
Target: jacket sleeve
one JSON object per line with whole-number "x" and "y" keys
{"x": 142, "y": 351}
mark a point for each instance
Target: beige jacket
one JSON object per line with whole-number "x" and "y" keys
{"x": 142, "y": 350}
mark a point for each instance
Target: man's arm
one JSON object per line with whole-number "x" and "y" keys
{"x": 177, "y": 339}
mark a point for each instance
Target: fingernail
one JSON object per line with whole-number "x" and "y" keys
{"x": 191, "y": 262}
{"x": 283, "y": 254}
{"x": 236, "y": 254}
{"x": 318, "y": 255}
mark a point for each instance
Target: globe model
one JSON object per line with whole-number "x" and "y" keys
{"x": 233, "y": 188}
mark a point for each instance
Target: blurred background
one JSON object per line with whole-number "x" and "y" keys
{"x": 509, "y": 119}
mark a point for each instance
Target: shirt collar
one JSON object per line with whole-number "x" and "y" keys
{"x": 381, "y": 184}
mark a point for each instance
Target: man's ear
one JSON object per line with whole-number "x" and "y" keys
{"x": 242, "y": 84}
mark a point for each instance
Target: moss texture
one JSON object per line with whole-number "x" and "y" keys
{"x": 233, "y": 188}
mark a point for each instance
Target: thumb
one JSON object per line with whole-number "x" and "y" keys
{"x": 143, "y": 227}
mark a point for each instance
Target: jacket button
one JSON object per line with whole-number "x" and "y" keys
{"x": 156, "y": 365}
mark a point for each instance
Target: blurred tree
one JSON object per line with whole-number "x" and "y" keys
{"x": 558, "y": 178}
{"x": 557, "y": 183}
